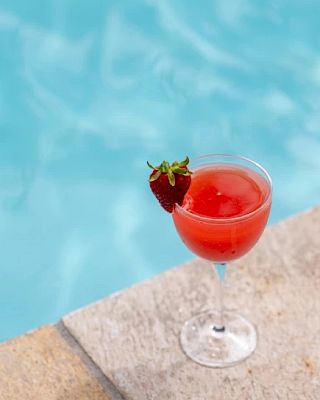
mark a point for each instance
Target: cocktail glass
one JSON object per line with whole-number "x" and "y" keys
{"x": 241, "y": 192}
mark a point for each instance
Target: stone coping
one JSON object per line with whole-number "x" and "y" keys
{"x": 133, "y": 336}
{"x": 126, "y": 346}
{"x": 42, "y": 365}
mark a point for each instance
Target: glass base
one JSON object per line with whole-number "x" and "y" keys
{"x": 208, "y": 347}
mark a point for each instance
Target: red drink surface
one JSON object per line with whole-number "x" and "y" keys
{"x": 225, "y": 211}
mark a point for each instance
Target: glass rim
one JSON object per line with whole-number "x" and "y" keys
{"x": 204, "y": 218}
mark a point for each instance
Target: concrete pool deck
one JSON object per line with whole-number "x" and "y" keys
{"x": 126, "y": 346}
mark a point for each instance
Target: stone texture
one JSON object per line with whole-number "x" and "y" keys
{"x": 41, "y": 365}
{"x": 133, "y": 336}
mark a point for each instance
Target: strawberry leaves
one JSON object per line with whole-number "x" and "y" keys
{"x": 165, "y": 168}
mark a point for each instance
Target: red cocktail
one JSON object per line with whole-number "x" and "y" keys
{"x": 223, "y": 214}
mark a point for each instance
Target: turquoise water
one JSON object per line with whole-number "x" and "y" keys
{"x": 91, "y": 90}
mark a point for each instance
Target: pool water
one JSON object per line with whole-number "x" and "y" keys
{"x": 89, "y": 91}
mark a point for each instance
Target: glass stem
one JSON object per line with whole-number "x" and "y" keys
{"x": 221, "y": 269}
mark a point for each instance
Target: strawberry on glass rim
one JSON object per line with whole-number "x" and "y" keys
{"x": 170, "y": 182}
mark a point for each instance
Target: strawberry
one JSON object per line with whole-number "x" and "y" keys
{"x": 170, "y": 182}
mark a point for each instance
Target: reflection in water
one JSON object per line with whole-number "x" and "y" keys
{"x": 89, "y": 93}
{"x": 74, "y": 253}
{"x": 279, "y": 103}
